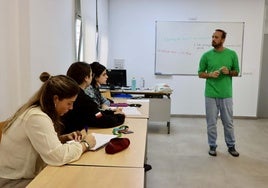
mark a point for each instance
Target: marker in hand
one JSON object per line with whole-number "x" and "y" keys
{"x": 224, "y": 70}
{"x": 221, "y": 69}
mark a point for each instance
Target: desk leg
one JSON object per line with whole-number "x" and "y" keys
{"x": 168, "y": 127}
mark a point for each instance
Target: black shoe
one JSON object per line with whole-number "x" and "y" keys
{"x": 212, "y": 151}
{"x": 233, "y": 152}
{"x": 147, "y": 167}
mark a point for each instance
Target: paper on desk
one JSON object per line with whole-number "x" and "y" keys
{"x": 131, "y": 111}
{"x": 137, "y": 100}
{"x": 102, "y": 139}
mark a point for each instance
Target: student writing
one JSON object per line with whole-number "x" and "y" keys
{"x": 30, "y": 137}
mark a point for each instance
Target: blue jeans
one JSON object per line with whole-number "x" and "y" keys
{"x": 224, "y": 107}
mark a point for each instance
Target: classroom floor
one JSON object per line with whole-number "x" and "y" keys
{"x": 181, "y": 160}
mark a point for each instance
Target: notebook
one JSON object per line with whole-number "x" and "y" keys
{"x": 101, "y": 140}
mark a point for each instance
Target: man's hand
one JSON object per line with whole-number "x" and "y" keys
{"x": 224, "y": 70}
{"x": 214, "y": 74}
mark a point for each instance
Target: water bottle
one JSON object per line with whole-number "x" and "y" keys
{"x": 142, "y": 84}
{"x": 133, "y": 84}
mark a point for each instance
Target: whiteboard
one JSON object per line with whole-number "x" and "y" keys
{"x": 179, "y": 45}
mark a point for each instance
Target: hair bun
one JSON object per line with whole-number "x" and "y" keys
{"x": 44, "y": 76}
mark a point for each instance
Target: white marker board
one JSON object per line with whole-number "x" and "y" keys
{"x": 180, "y": 45}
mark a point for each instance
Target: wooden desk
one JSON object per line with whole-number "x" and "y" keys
{"x": 133, "y": 156}
{"x": 159, "y": 103}
{"x": 88, "y": 176}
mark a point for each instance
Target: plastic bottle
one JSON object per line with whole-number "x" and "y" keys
{"x": 133, "y": 84}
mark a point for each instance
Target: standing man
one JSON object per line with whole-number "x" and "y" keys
{"x": 218, "y": 66}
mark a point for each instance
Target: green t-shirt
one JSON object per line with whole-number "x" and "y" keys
{"x": 211, "y": 61}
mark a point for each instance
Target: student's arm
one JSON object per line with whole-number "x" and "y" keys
{"x": 105, "y": 107}
{"x": 41, "y": 134}
{"x": 76, "y": 135}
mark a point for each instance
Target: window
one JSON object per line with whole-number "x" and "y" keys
{"x": 78, "y": 32}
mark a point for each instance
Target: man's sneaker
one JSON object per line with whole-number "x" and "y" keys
{"x": 212, "y": 151}
{"x": 233, "y": 152}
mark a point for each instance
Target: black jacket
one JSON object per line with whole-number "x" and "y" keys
{"x": 85, "y": 113}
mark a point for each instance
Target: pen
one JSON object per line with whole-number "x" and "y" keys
{"x": 86, "y": 128}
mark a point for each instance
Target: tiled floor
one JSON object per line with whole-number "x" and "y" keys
{"x": 181, "y": 160}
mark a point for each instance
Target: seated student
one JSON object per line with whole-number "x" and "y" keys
{"x": 85, "y": 112}
{"x": 30, "y": 139}
{"x": 99, "y": 77}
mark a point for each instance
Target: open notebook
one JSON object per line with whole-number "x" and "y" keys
{"x": 101, "y": 140}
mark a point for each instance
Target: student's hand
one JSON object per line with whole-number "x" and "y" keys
{"x": 83, "y": 132}
{"x": 76, "y": 135}
{"x": 90, "y": 139}
{"x": 118, "y": 110}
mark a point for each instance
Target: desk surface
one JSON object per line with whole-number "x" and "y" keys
{"x": 133, "y": 156}
{"x": 144, "y": 109}
{"x": 88, "y": 176}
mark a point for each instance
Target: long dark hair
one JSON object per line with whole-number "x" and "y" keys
{"x": 97, "y": 70}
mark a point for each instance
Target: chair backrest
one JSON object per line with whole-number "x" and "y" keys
{"x": 1, "y": 125}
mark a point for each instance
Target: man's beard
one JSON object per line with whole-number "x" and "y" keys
{"x": 215, "y": 45}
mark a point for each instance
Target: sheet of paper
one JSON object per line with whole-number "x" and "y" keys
{"x": 102, "y": 139}
{"x": 137, "y": 100}
{"x": 131, "y": 111}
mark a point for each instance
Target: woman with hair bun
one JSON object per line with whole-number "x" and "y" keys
{"x": 31, "y": 138}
